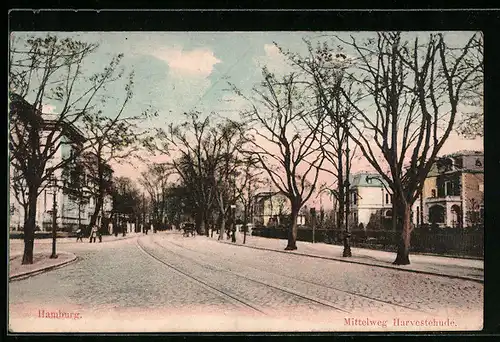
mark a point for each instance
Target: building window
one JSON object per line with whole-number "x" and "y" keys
{"x": 45, "y": 200}
{"x": 354, "y": 198}
{"x": 433, "y": 193}
{"x": 448, "y": 188}
{"x": 448, "y": 165}
{"x": 386, "y": 198}
{"x": 436, "y": 214}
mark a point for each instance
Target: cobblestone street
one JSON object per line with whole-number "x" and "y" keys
{"x": 166, "y": 282}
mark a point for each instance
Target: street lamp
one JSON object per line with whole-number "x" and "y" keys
{"x": 347, "y": 234}
{"x": 53, "y": 184}
{"x": 233, "y": 227}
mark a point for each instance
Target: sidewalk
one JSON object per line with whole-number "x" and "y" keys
{"x": 105, "y": 238}
{"x": 41, "y": 263}
{"x": 467, "y": 269}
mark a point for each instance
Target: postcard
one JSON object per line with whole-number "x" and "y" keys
{"x": 287, "y": 181}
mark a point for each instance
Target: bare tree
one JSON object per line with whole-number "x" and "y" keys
{"x": 127, "y": 201}
{"x": 324, "y": 71}
{"x": 226, "y": 143}
{"x": 43, "y": 70}
{"x": 111, "y": 139}
{"x": 287, "y": 148}
{"x": 155, "y": 181}
{"x": 416, "y": 90}
{"x": 471, "y": 124}
{"x": 190, "y": 148}
{"x": 250, "y": 182}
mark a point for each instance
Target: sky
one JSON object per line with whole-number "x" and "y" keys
{"x": 177, "y": 72}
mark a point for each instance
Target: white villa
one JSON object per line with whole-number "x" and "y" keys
{"x": 69, "y": 213}
{"x": 370, "y": 201}
{"x": 271, "y": 208}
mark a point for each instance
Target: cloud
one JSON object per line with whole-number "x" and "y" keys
{"x": 272, "y": 51}
{"x": 197, "y": 62}
{"x": 274, "y": 60}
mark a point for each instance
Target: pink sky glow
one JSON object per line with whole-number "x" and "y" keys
{"x": 453, "y": 144}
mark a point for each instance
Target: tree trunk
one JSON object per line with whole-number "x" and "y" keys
{"x": 207, "y": 227}
{"x": 402, "y": 257}
{"x": 202, "y": 227}
{"x": 222, "y": 227}
{"x": 97, "y": 209}
{"x": 245, "y": 224}
{"x": 395, "y": 215}
{"x": 421, "y": 210}
{"x": 100, "y": 195}
{"x": 29, "y": 227}
{"x": 292, "y": 231}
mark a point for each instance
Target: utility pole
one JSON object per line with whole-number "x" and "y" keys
{"x": 143, "y": 213}
{"x": 54, "y": 220}
{"x": 347, "y": 246}
{"x": 313, "y": 219}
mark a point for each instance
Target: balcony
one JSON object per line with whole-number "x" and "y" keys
{"x": 443, "y": 199}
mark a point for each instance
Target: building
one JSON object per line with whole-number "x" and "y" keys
{"x": 272, "y": 208}
{"x": 69, "y": 140}
{"x": 370, "y": 201}
{"x": 453, "y": 192}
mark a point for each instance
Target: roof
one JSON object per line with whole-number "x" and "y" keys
{"x": 464, "y": 153}
{"x": 25, "y": 111}
{"x": 267, "y": 194}
{"x": 367, "y": 179}
{"x": 433, "y": 172}
{"x": 68, "y": 129}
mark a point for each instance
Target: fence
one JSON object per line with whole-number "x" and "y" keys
{"x": 453, "y": 242}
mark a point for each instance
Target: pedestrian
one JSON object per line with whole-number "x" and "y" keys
{"x": 79, "y": 235}
{"x": 93, "y": 234}
{"x": 233, "y": 233}
{"x": 99, "y": 234}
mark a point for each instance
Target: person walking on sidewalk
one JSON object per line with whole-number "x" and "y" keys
{"x": 79, "y": 235}
{"x": 93, "y": 234}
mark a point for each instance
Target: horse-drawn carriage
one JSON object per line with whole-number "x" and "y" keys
{"x": 188, "y": 229}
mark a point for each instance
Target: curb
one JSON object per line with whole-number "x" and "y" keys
{"x": 25, "y": 275}
{"x": 360, "y": 263}
{"x": 63, "y": 243}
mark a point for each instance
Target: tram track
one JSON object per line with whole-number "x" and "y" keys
{"x": 352, "y": 293}
{"x": 288, "y": 291}
{"x": 226, "y": 296}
